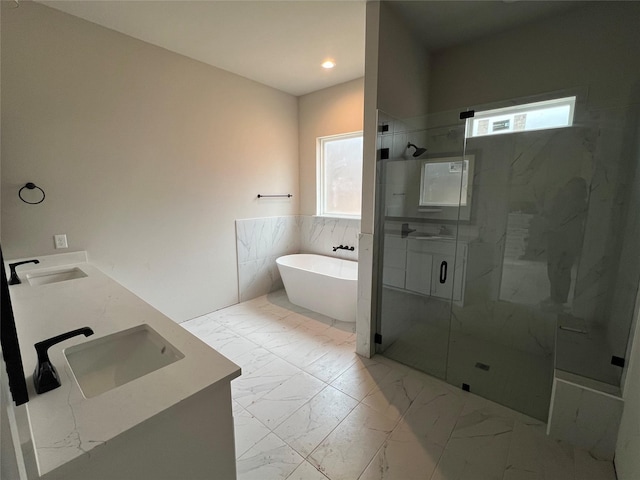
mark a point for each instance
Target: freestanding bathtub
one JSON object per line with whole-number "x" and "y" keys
{"x": 325, "y": 285}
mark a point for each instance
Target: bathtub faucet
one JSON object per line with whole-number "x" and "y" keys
{"x": 343, "y": 247}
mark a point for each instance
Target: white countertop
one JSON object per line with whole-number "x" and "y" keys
{"x": 433, "y": 237}
{"x": 65, "y": 425}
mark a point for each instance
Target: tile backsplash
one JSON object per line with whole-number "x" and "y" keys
{"x": 259, "y": 241}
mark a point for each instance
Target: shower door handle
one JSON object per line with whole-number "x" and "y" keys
{"x": 443, "y": 272}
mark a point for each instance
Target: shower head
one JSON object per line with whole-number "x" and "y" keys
{"x": 419, "y": 151}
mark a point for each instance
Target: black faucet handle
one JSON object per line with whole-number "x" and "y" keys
{"x": 45, "y": 376}
{"x": 43, "y": 346}
{"x": 14, "y": 280}
{"x": 405, "y": 230}
{"x": 344, "y": 247}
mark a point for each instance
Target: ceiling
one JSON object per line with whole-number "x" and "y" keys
{"x": 440, "y": 24}
{"x": 283, "y": 43}
{"x": 277, "y": 43}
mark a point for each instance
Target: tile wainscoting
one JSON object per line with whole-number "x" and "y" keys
{"x": 259, "y": 241}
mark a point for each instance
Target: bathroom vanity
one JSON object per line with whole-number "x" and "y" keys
{"x": 140, "y": 398}
{"x": 415, "y": 265}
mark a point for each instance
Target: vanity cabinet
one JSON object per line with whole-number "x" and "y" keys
{"x": 418, "y": 265}
{"x": 430, "y": 267}
{"x": 127, "y": 416}
{"x": 395, "y": 261}
{"x": 419, "y": 271}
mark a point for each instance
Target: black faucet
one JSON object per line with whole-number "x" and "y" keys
{"x": 45, "y": 377}
{"x": 405, "y": 231}
{"x": 344, "y": 247}
{"x": 14, "y": 280}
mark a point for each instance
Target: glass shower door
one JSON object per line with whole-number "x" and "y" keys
{"x": 420, "y": 172}
{"x": 508, "y": 248}
{"x": 542, "y": 273}
{"x": 501, "y": 342}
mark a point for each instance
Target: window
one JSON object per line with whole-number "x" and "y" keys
{"x": 340, "y": 175}
{"x": 445, "y": 190}
{"x": 521, "y": 118}
{"x": 441, "y": 185}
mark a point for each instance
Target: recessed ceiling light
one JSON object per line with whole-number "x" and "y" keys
{"x": 328, "y": 64}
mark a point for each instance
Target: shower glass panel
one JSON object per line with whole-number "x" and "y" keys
{"x": 539, "y": 232}
{"x": 502, "y": 338}
{"x": 419, "y": 266}
{"x": 552, "y": 224}
{"x": 595, "y": 321}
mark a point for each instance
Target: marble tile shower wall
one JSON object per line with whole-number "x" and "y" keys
{"x": 320, "y": 235}
{"x": 260, "y": 241}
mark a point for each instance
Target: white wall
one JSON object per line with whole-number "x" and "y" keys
{"x": 147, "y": 157}
{"x": 397, "y": 75}
{"x": 594, "y": 45}
{"x": 331, "y": 111}
{"x": 396, "y": 82}
{"x": 403, "y": 67}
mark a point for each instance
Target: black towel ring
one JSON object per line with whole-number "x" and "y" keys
{"x": 31, "y": 186}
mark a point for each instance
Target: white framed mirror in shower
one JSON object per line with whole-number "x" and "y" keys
{"x": 445, "y": 187}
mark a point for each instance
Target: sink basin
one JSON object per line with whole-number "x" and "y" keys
{"x": 105, "y": 363}
{"x": 53, "y": 276}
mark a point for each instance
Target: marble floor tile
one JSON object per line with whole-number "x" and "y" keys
{"x": 247, "y": 389}
{"x": 515, "y": 474}
{"x": 478, "y": 448}
{"x": 477, "y": 403}
{"x": 272, "y": 338}
{"x": 252, "y": 324}
{"x": 521, "y": 380}
{"x": 311, "y": 423}
{"x": 304, "y": 352}
{"x": 255, "y": 359}
{"x": 404, "y": 456}
{"x": 216, "y": 336}
{"x": 312, "y": 325}
{"x": 233, "y": 346}
{"x": 285, "y": 323}
{"x": 393, "y": 394}
{"x": 424, "y": 347}
{"x": 243, "y": 320}
{"x": 361, "y": 377}
{"x": 349, "y": 448}
{"x": 340, "y": 336}
{"x": 433, "y": 414}
{"x": 587, "y": 467}
{"x": 533, "y": 454}
{"x": 306, "y": 407}
{"x": 335, "y": 361}
{"x": 306, "y": 471}
{"x": 248, "y": 431}
{"x": 279, "y": 403}
{"x": 269, "y": 459}
{"x": 203, "y": 327}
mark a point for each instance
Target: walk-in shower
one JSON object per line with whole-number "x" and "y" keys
{"x": 521, "y": 255}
